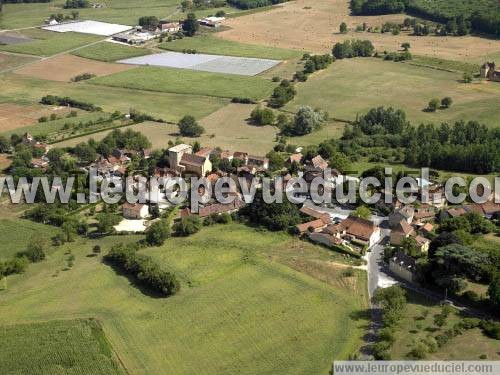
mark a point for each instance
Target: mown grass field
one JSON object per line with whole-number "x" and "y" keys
{"x": 240, "y": 308}
{"x": 413, "y": 327}
{"x": 167, "y": 106}
{"x": 108, "y": 52}
{"x": 16, "y": 234}
{"x": 47, "y": 43}
{"x": 353, "y": 86}
{"x": 71, "y": 346}
{"x": 8, "y": 61}
{"x": 190, "y": 82}
{"x": 217, "y": 46}
{"x": 116, "y": 11}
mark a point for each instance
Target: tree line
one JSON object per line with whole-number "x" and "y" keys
{"x": 463, "y": 146}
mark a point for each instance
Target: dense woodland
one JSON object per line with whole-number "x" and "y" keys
{"x": 250, "y": 4}
{"x": 484, "y": 15}
{"x": 463, "y": 147}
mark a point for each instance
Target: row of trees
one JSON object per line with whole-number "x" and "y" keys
{"x": 353, "y": 48}
{"x": 143, "y": 269}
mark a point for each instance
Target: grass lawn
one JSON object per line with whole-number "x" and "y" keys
{"x": 240, "y": 310}
{"x": 169, "y": 107}
{"x": 108, "y": 52}
{"x": 71, "y": 346}
{"x": 217, "y": 46}
{"x": 16, "y": 234}
{"x": 116, "y": 11}
{"x": 47, "y": 43}
{"x": 184, "y": 81}
{"x": 352, "y": 86}
{"x": 413, "y": 327}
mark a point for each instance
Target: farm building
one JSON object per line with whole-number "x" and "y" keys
{"x": 489, "y": 72}
{"x": 135, "y": 211}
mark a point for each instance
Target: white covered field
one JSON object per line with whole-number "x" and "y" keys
{"x": 89, "y": 27}
{"x": 207, "y": 63}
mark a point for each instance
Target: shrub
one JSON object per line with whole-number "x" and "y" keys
{"x": 66, "y": 101}
{"x": 82, "y": 77}
{"x": 189, "y": 127}
{"x": 188, "y": 226}
{"x": 433, "y": 105}
{"x": 157, "y": 233}
{"x": 491, "y": 328}
{"x": 446, "y": 102}
{"x": 282, "y": 94}
{"x": 262, "y": 116}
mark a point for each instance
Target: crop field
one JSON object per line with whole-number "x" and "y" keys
{"x": 213, "y": 45}
{"x": 109, "y": 52}
{"x": 286, "y": 322}
{"x": 116, "y": 11}
{"x": 169, "y": 107}
{"x": 13, "y": 38}
{"x": 15, "y": 115}
{"x": 65, "y": 67}
{"x": 182, "y": 81}
{"x": 89, "y": 27}
{"x": 313, "y": 25}
{"x": 8, "y": 61}
{"x": 206, "y": 63}
{"x": 47, "y": 43}
{"x": 351, "y": 87}
{"x": 16, "y": 234}
{"x": 71, "y": 346}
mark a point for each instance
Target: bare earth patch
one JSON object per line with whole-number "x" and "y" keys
{"x": 5, "y": 161}
{"x": 14, "y": 116}
{"x": 64, "y": 67}
{"x": 293, "y": 25}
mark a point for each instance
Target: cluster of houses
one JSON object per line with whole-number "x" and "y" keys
{"x": 143, "y": 34}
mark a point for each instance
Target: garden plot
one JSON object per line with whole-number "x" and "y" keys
{"x": 207, "y": 63}
{"x": 89, "y": 27}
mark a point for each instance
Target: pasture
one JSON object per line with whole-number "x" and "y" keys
{"x": 10, "y": 61}
{"x": 205, "y": 63}
{"x": 211, "y": 44}
{"x": 14, "y": 116}
{"x": 65, "y": 67}
{"x": 352, "y": 86}
{"x": 414, "y": 326}
{"x": 169, "y": 107}
{"x": 313, "y": 25}
{"x": 116, "y": 11}
{"x": 47, "y": 43}
{"x": 16, "y": 234}
{"x": 183, "y": 81}
{"x": 108, "y": 52}
{"x": 71, "y": 346}
{"x": 240, "y": 308}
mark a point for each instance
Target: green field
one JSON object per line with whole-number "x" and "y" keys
{"x": 16, "y": 234}
{"x": 184, "y": 81}
{"x": 116, "y": 11}
{"x": 468, "y": 346}
{"x": 352, "y": 86}
{"x": 47, "y": 43}
{"x": 248, "y": 304}
{"x": 448, "y": 65}
{"x": 110, "y": 52}
{"x": 56, "y": 347}
{"x": 217, "y": 46}
{"x": 169, "y": 107}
